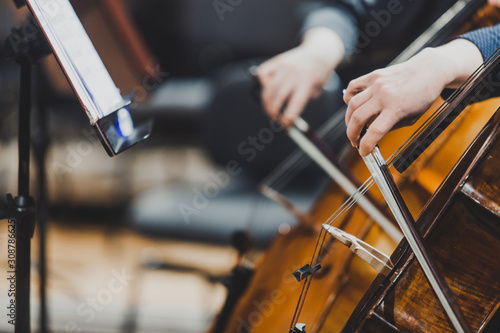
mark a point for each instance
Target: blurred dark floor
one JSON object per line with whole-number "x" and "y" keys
{"x": 99, "y": 280}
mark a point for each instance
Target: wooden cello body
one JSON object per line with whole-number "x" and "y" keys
{"x": 461, "y": 225}
{"x": 268, "y": 303}
{"x": 270, "y": 299}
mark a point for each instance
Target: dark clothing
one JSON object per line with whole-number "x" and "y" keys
{"x": 192, "y": 38}
{"x": 369, "y": 25}
{"x": 374, "y": 32}
{"x": 487, "y": 41}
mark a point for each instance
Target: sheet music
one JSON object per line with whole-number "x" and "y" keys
{"x": 78, "y": 58}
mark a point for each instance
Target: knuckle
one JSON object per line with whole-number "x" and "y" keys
{"x": 355, "y": 102}
{"x": 377, "y": 74}
{"x": 289, "y": 118}
{"x": 376, "y": 130}
{"x": 356, "y": 118}
{"x": 352, "y": 85}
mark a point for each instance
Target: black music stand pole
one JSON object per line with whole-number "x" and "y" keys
{"x": 21, "y": 210}
{"x": 24, "y": 205}
{"x": 40, "y": 141}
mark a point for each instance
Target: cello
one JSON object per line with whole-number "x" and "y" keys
{"x": 460, "y": 225}
{"x": 267, "y": 303}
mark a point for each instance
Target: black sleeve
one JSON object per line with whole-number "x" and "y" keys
{"x": 390, "y": 24}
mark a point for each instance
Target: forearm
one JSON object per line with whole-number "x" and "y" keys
{"x": 487, "y": 39}
{"x": 399, "y": 94}
{"x": 455, "y": 61}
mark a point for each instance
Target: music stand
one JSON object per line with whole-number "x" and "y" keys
{"x": 106, "y": 109}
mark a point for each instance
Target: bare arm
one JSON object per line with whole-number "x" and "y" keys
{"x": 398, "y": 95}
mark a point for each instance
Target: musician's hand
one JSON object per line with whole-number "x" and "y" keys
{"x": 292, "y": 78}
{"x": 398, "y": 95}
{"x": 495, "y": 3}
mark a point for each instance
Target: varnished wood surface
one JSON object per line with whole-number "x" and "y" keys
{"x": 464, "y": 242}
{"x": 485, "y": 190}
{"x": 336, "y": 289}
{"x": 270, "y": 300}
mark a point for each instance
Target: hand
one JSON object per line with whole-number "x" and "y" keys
{"x": 292, "y": 78}
{"x": 495, "y": 3}
{"x": 398, "y": 95}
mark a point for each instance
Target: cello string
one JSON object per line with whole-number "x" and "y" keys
{"x": 456, "y": 94}
{"x": 301, "y": 300}
{"x": 308, "y": 280}
{"x": 295, "y": 317}
{"x": 367, "y": 185}
{"x": 362, "y": 190}
{"x": 351, "y": 201}
{"x": 315, "y": 258}
{"x": 287, "y": 171}
{"x": 330, "y": 132}
{"x": 369, "y": 182}
{"x": 429, "y": 38}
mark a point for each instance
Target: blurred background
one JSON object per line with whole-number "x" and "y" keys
{"x": 146, "y": 241}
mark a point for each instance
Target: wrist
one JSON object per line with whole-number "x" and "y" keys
{"x": 456, "y": 61}
{"x": 325, "y": 45}
{"x": 439, "y": 63}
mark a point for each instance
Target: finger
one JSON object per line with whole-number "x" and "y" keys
{"x": 355, "y": 86}
{"x": 295, "y": 106}
{"x": 316, "y": 92}
{"x": 267, "y": 68}
{"x": 361, "y": 118}
{"x": 375, "y": 132}
{"x": 280, "y": 99}
{"x": 270, "y": 89}
{"x": 356, "y": 102}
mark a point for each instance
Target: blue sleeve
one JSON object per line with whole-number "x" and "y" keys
{"x": 487, "y": 40}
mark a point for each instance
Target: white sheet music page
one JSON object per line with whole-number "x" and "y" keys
{"x": 78, "y": 57}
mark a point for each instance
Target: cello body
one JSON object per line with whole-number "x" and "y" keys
{"x": 461, "y": 227}
{"x": 269, "y": 301}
